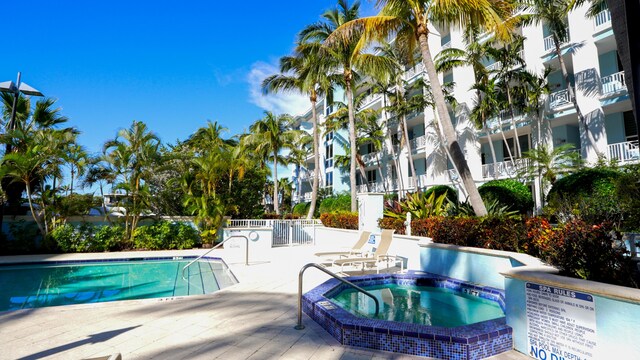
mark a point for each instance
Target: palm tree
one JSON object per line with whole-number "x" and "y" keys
{"x": 511, "y": 64}
{"x": 553, "y": 13}
{"x": 270, "y": 135}
{"x": 546, "y": 164}
{"x": 306, "y": 72}
{"x": 132, "y": 156}
{"x": 409, "y": 20}
{"x": 77, "y": 158}
{"x": 533, "y": 89}
{"x": 98, "y": 173}
{"x": 350, "y": 60}
{"x": 371, "y": 132}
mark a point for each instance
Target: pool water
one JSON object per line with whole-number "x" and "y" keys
{"x": 40, "y": 285}
{"x": 424, "y": 305}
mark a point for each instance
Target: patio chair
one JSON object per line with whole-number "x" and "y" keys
{"x": 379, "y": 257}
{"x": 356, "y": 250}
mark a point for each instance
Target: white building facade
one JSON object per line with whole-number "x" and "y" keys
{"x": 592, "y": 62}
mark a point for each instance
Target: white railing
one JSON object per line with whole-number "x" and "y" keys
{"x": 624, "y": 151}
{"x": 283, "y": 232}
{"x": 446, "y": 45}
{"x": 411, "y": 73}
{"x": 602, "y": 20}
{"x": 371, "y": 98}
{"x": 504, "y": 168}
{"x": 370, "y": 156}
{"x": 494, "y": 67}
{"x": 373, "y": 187}
{"x": 613, "y": 83}
{"x": 421, "y": 178}
{"x": 419, "y": 142}
{"x": 549, "y": 44}
{"x": 559, "y": 98}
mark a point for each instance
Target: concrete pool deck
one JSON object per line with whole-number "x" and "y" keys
{"x": 251, "y": 320}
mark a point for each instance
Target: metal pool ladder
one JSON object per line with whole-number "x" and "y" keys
{"x": 299, "y": 326}
{"x": 246, "y": 255}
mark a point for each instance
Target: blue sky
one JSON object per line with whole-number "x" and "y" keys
{"x": 172, "y": 64}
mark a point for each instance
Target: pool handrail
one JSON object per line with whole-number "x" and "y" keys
{"x": 246, "y": 255}
{"x": 299, "y": 326}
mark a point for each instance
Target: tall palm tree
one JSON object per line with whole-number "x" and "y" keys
{"x": 511, "y": 65}
{"x": 409, "y": 21}
{"x": 371, "y": 132}
{"x": 350, "y": 60}
{"x": 533, "y": 89}
{"x": 307, "y": 72}
{"x": 553, "y": 13}
{"x": 132, "y": 156}
{"x": 270, "y": 135}
{"x": 77, "y": 158}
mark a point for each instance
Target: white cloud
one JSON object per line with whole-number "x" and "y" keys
{"x": 285, "y": 102}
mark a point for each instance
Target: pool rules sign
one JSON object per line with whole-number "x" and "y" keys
{"x": 561, "y": 324}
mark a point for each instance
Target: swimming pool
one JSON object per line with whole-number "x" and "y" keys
{"x": 41, "y": 284}
{"x": 476, "y": 340}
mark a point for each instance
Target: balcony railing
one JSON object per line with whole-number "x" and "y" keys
{"x": 559, "y": 98}
{"x": 419, "y": 142}
{"x": 613, "y": 83}
{"x": 625, "y": 151}
{"x": 373, "y": 187}
{"x": 494, "y": 67}
{"x": 602, "y": 20}
{"x": 370, "y": 156}
{"x": 550, "y": 45}
{"x": 411, "y": 73}
{"x": 503, "y": 168}
{"x": 446, "y": 45}
{"x": 371, "y": 98}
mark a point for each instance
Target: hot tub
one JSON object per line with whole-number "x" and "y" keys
{"x": 462, "y": 335}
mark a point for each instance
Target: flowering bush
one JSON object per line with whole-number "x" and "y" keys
{"x": 393, "y": 224}
{"x": 341, "y": 220}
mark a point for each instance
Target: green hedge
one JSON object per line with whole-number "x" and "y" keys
{"x": 508, "y": 192}
{"x": 301, "y": 209}
{"x": 341, "y": 220}
{"x": 165, "y": 235}
{"x": 452, "y": 194}
{"x": 340, "y": 202}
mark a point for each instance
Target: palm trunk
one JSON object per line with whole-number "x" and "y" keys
{"x": 352, "y": 141}
{"x": 412, "y": 168}
{"x": 393, "y": 151}
{"x": 447, "y": 153}
{"x": 316, "y": 160}
{"x": 33, "y": 213}
{"x": 384, "y": 185}
{"x": 276, "y": 206}
{"x": 493, "y": 151}
{"x": 447, "y": 127}
{"x": 572, "y": 91}
{"x": 71, "y": 185}
{"x": 513, "y": 123}
{"x": 363, "y": 174}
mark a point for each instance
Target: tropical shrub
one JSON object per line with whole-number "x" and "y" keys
{"x": 301, "y": 208}
{"x": 587, "y": 252}
{"x": 461, "y": 231}
{"x": 166, "y": 235}
{"x": 587, "y": 195}
{"x": 393, "y": 224}
{"x": 341, "y": 220}
{"x": 339, "y": 202}
{"x": 628, "y": 198}
{"x": 88, "y": 238}
{"x": 419, "y": 205}
{"x": 501, "y": 233}
{"x": 452, "y": 194}
{"x": 508, "y": 192}
{"x": 23, "y": 238}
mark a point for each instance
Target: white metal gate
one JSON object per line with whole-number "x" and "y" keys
{"x": 284, "y": 232}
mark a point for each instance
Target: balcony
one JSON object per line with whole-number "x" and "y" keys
{"x": 446, "y": 45}
{"x": 503, "y": 169}
{"x": 414, "y": 71}
{"x": 624, "y": 152}
{"x": 494, "y": 67}
{"x": 373, "y": 187}
{"x": 613, "y": 84}
{"x": 602, "y": 21}
{"x": 418, "y": 143}
{"x": 559, "y": 98}
{"x": 550, "y": 45}
{"x": 367, "y": 158}
{"x": 421, "y": 178}
{"x": 370, "y": 99}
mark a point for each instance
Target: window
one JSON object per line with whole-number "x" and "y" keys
{"x": 370, "y": 148}
{"x": 329, "y": 179}
{"x": 329, "y": 136}
{"x": 328, "y": 156}
{"x": 371, "y": 176}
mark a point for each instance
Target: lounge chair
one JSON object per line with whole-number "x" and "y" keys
{"x": 379, "y": 256}
{"x": 356, "y": 250}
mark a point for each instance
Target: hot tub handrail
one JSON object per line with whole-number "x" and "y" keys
{"x": 299, "y": 326}
{"x": 246, "y": 255}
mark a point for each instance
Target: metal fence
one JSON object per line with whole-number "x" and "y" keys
{"x": 284, "y": 232}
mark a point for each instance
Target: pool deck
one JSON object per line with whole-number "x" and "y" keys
{"x": 251, "y": 320}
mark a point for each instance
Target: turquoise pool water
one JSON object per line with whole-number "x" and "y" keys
{"x": 423, "y": 305}
{"x": 40, "y": 285}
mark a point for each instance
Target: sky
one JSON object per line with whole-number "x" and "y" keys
{"x": 171, "y": 64}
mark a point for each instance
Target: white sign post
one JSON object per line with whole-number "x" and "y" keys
{"x": 561, "y": 324}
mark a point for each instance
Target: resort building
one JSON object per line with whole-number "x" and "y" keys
{"x": 594, "y": 68}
